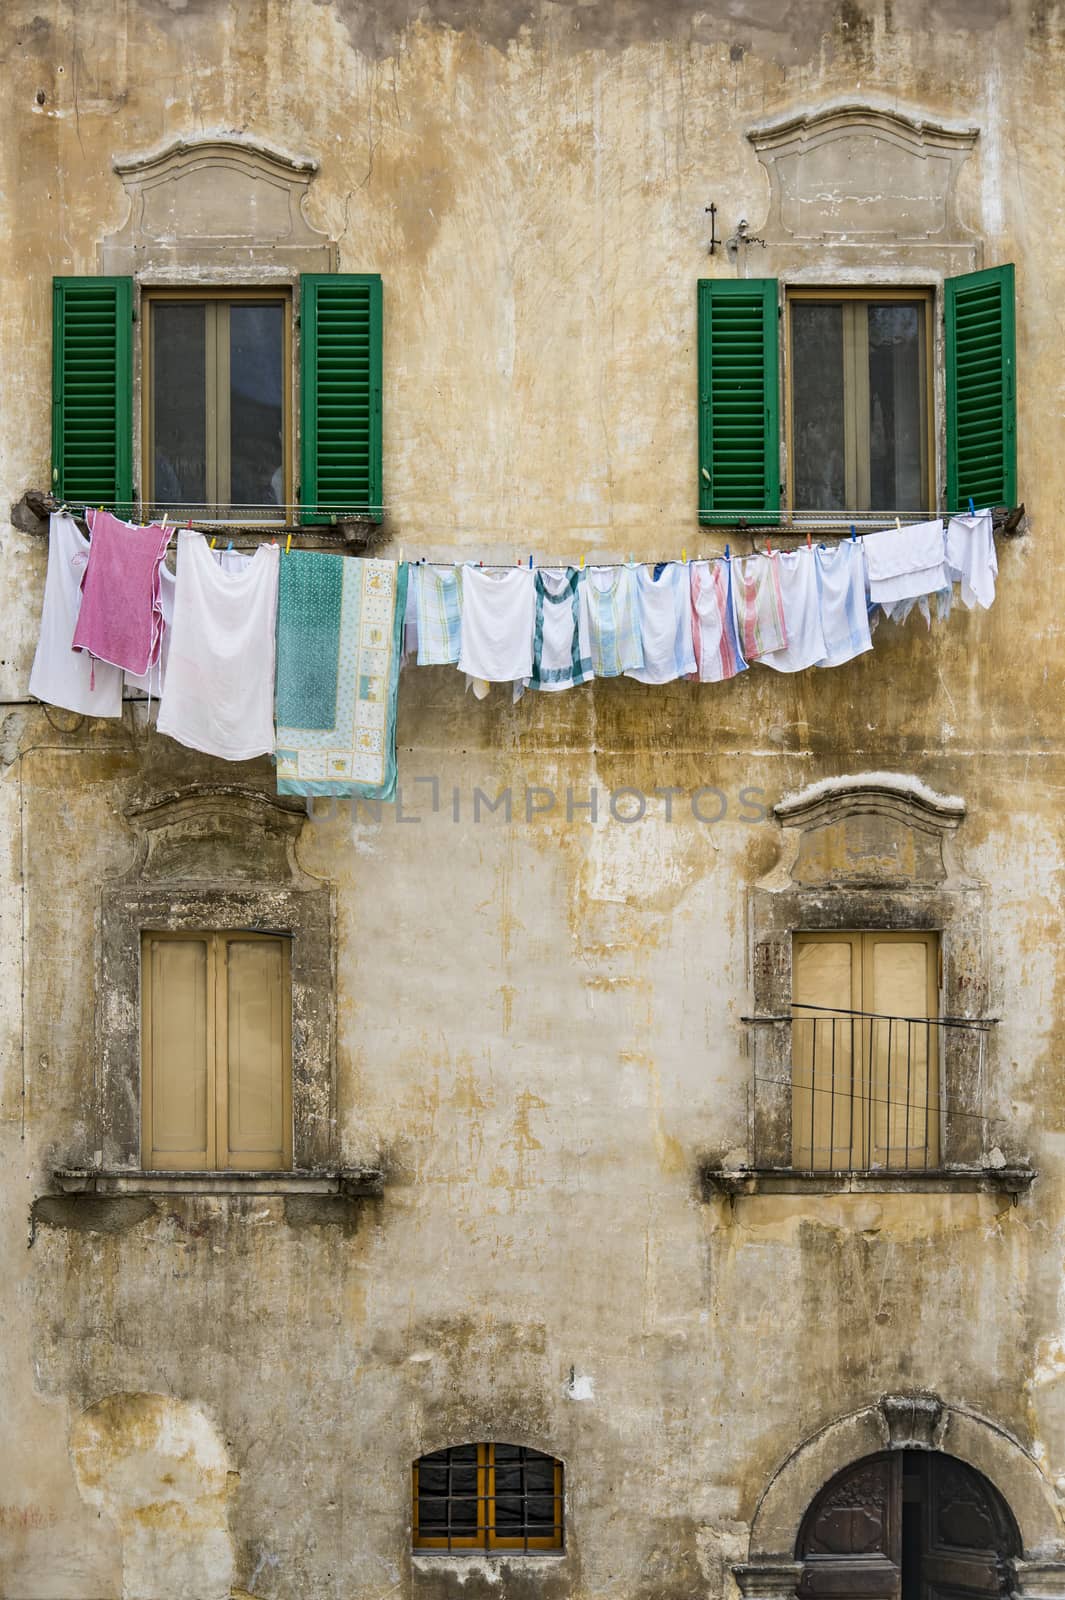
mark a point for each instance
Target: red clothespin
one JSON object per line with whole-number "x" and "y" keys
{"x": 768, "y": 545}
{"x": 809, "y": 541}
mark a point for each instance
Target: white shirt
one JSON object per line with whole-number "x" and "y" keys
{"x": 498, "y": 617}
{"x": 60, "y": 675}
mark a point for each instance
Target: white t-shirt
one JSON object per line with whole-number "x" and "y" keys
{"x": 219, "y": 690}
{"x": 498, "y": 617}
{"x": 60, "y": 675}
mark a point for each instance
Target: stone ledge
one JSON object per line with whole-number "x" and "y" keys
{"x": 346, "y": 1183}
{"x": 739, "y": 1182}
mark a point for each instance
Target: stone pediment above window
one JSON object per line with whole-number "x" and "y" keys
{"x": 221, "y": 207}
{"x": 856, "y": 187}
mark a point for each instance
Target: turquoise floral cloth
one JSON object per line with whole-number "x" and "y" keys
{"x": 339, "y": 630}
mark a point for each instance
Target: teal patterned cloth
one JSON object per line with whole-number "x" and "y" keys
{"x": 339, "y": 633}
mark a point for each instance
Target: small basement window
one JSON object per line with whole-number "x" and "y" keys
{"x": 216, "y": 1052}
{"x": 487, "y": 1497}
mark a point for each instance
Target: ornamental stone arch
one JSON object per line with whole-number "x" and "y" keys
{"x": 904, "y": 1422}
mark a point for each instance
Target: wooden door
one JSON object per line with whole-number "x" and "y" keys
{"x": 851, "y": 1539}
{"x": 967, "y": 1534}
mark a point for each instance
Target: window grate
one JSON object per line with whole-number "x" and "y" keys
{"x": 477, "y": 1497}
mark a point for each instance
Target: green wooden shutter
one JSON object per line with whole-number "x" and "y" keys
{"x": 981, "y": 402}
{"x": 92, "y": 391}
{"x": 739, "y": 409}
{"x": 340, "y": 386}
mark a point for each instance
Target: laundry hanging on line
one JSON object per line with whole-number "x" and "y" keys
{"x": 324, "y": 702}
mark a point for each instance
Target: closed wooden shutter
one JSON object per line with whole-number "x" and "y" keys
{"x": 216, "y": 1059}
{"x": 178, "y": 1025}
{"x": 865, "y": 1062}
{"x": 981, "y": 401}
{"x": 340, "y": 385}
{"x": 739, "y": 430}
{"x": 92, "y": 391}
{"x": 256, "y": 1114}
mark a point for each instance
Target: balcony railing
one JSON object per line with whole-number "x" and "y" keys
{"x": 866, "y": 1089}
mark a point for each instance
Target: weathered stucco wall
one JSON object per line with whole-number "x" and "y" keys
{"x": 538, "y": 1021}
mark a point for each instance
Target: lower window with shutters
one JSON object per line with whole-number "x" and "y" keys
{"x": 216, "y": 1052}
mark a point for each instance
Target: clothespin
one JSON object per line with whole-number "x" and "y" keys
{"x": 63, "y": 509}
{"x": 164, "y": 519}
{"x": 631, "y": 561}
{"x": 768, "y": 546}
{"x": 727, "y": 556}
{"x": 582, "y": 560}
{"x": 809, "y": 541}
{"x": 972, "y": 508}
{"x": 214, "y": 540}
{"x": 854, "y": 532}
{"x": 401, "y": 555}
{"x": 288, "y": 544}
{"x": 898, "y": 523}
{"x": 530, "y": 560}
{"x": 189, "y": 523}
{"x": 684, "y": 556}
{"x": 229, "y": 546}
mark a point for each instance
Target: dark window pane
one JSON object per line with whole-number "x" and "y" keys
{"x": 895, "y": 380}
{"x": 507, "y": 1452}
{"x": 819, "y": 468}
{"x": 463, "y": 1480}
{"x": 540, "y": 1474}
{"x": 256, "y": 408}
{"x": 179, "y": 399}
{"x": 464, "y": 1517}
{"x": 540, "y": 1513}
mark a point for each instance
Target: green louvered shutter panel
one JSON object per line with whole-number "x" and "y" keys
{"x": 739, "y": 410}
{"x": 340, "y": 340}
{"x": 981, "y": 396}
{"x": 92, "y": 391}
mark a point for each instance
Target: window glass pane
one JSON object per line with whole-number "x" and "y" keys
{"x": 895, "y": 384}
{"x": 256, "y": 404}
{"x": 819, "y": 468}
{"x": 179, "y": 402}
{"x": 432, "y": 1498}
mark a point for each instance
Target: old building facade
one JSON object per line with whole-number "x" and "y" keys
{"x": 544, "y": 1185}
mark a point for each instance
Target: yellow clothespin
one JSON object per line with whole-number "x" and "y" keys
{"x": 164, "y": 519}
{"x": 684, "y": 556}
{"x": 898, "y": 524}
{"x": 582, "y": 560}
{"x": 288, "y": 544}
{"x": 401, "y": 555}
{"x": 214, "y": 540}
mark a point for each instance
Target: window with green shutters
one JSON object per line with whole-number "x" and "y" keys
{"x": 739, "y": 427}
{"x": 216, "y": 371}
{"x": 92, "y": 391}
{"x": 981, "y": 402}
{"x": 860, "y": 413}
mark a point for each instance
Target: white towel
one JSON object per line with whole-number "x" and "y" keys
{"x": 802, "y": 614}
{"x": 906, "y": 563}
{"x": 971, "y": 558}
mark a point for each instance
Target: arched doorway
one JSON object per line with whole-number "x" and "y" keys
{"x": 907, "y": 1525}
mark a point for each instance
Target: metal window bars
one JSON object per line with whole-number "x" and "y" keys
{"x": 866, "y": 1088}
{"x": 488, "y": 1497}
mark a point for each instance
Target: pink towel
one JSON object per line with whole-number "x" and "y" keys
{"x": 121, "y": 616}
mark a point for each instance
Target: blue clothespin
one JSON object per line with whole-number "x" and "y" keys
{"x": 854, "y": 532}
{"x": 530, "y": 561}
{"x": 229, "y": 546}
{"x": 972, "y": 508}
{"x": 727, "y": 556}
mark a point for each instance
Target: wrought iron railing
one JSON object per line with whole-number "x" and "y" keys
{"x": 867, "y": 1089}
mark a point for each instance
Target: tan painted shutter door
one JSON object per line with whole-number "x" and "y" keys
{"x": 826, "y": 1130}
{"x": 176, "y": 1089}
{"x": 900, "y": 982}
{"x": 256, "y": 1114}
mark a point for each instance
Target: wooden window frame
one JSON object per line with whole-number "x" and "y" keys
{"x": 486, "y": 1537}
{"x": 218, "y": 1157}
{"x": 855, "y": 385}
{"x": 861, "y": 941}
{"x": 217, "y": 440}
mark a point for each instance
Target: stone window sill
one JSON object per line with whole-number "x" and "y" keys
{"x": 737, "y": 1182}
{"x": 426, "y": 1560}
{"x": 347, "y": 1183}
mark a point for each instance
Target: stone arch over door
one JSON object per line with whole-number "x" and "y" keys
{"x": 903, "y": 1422}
